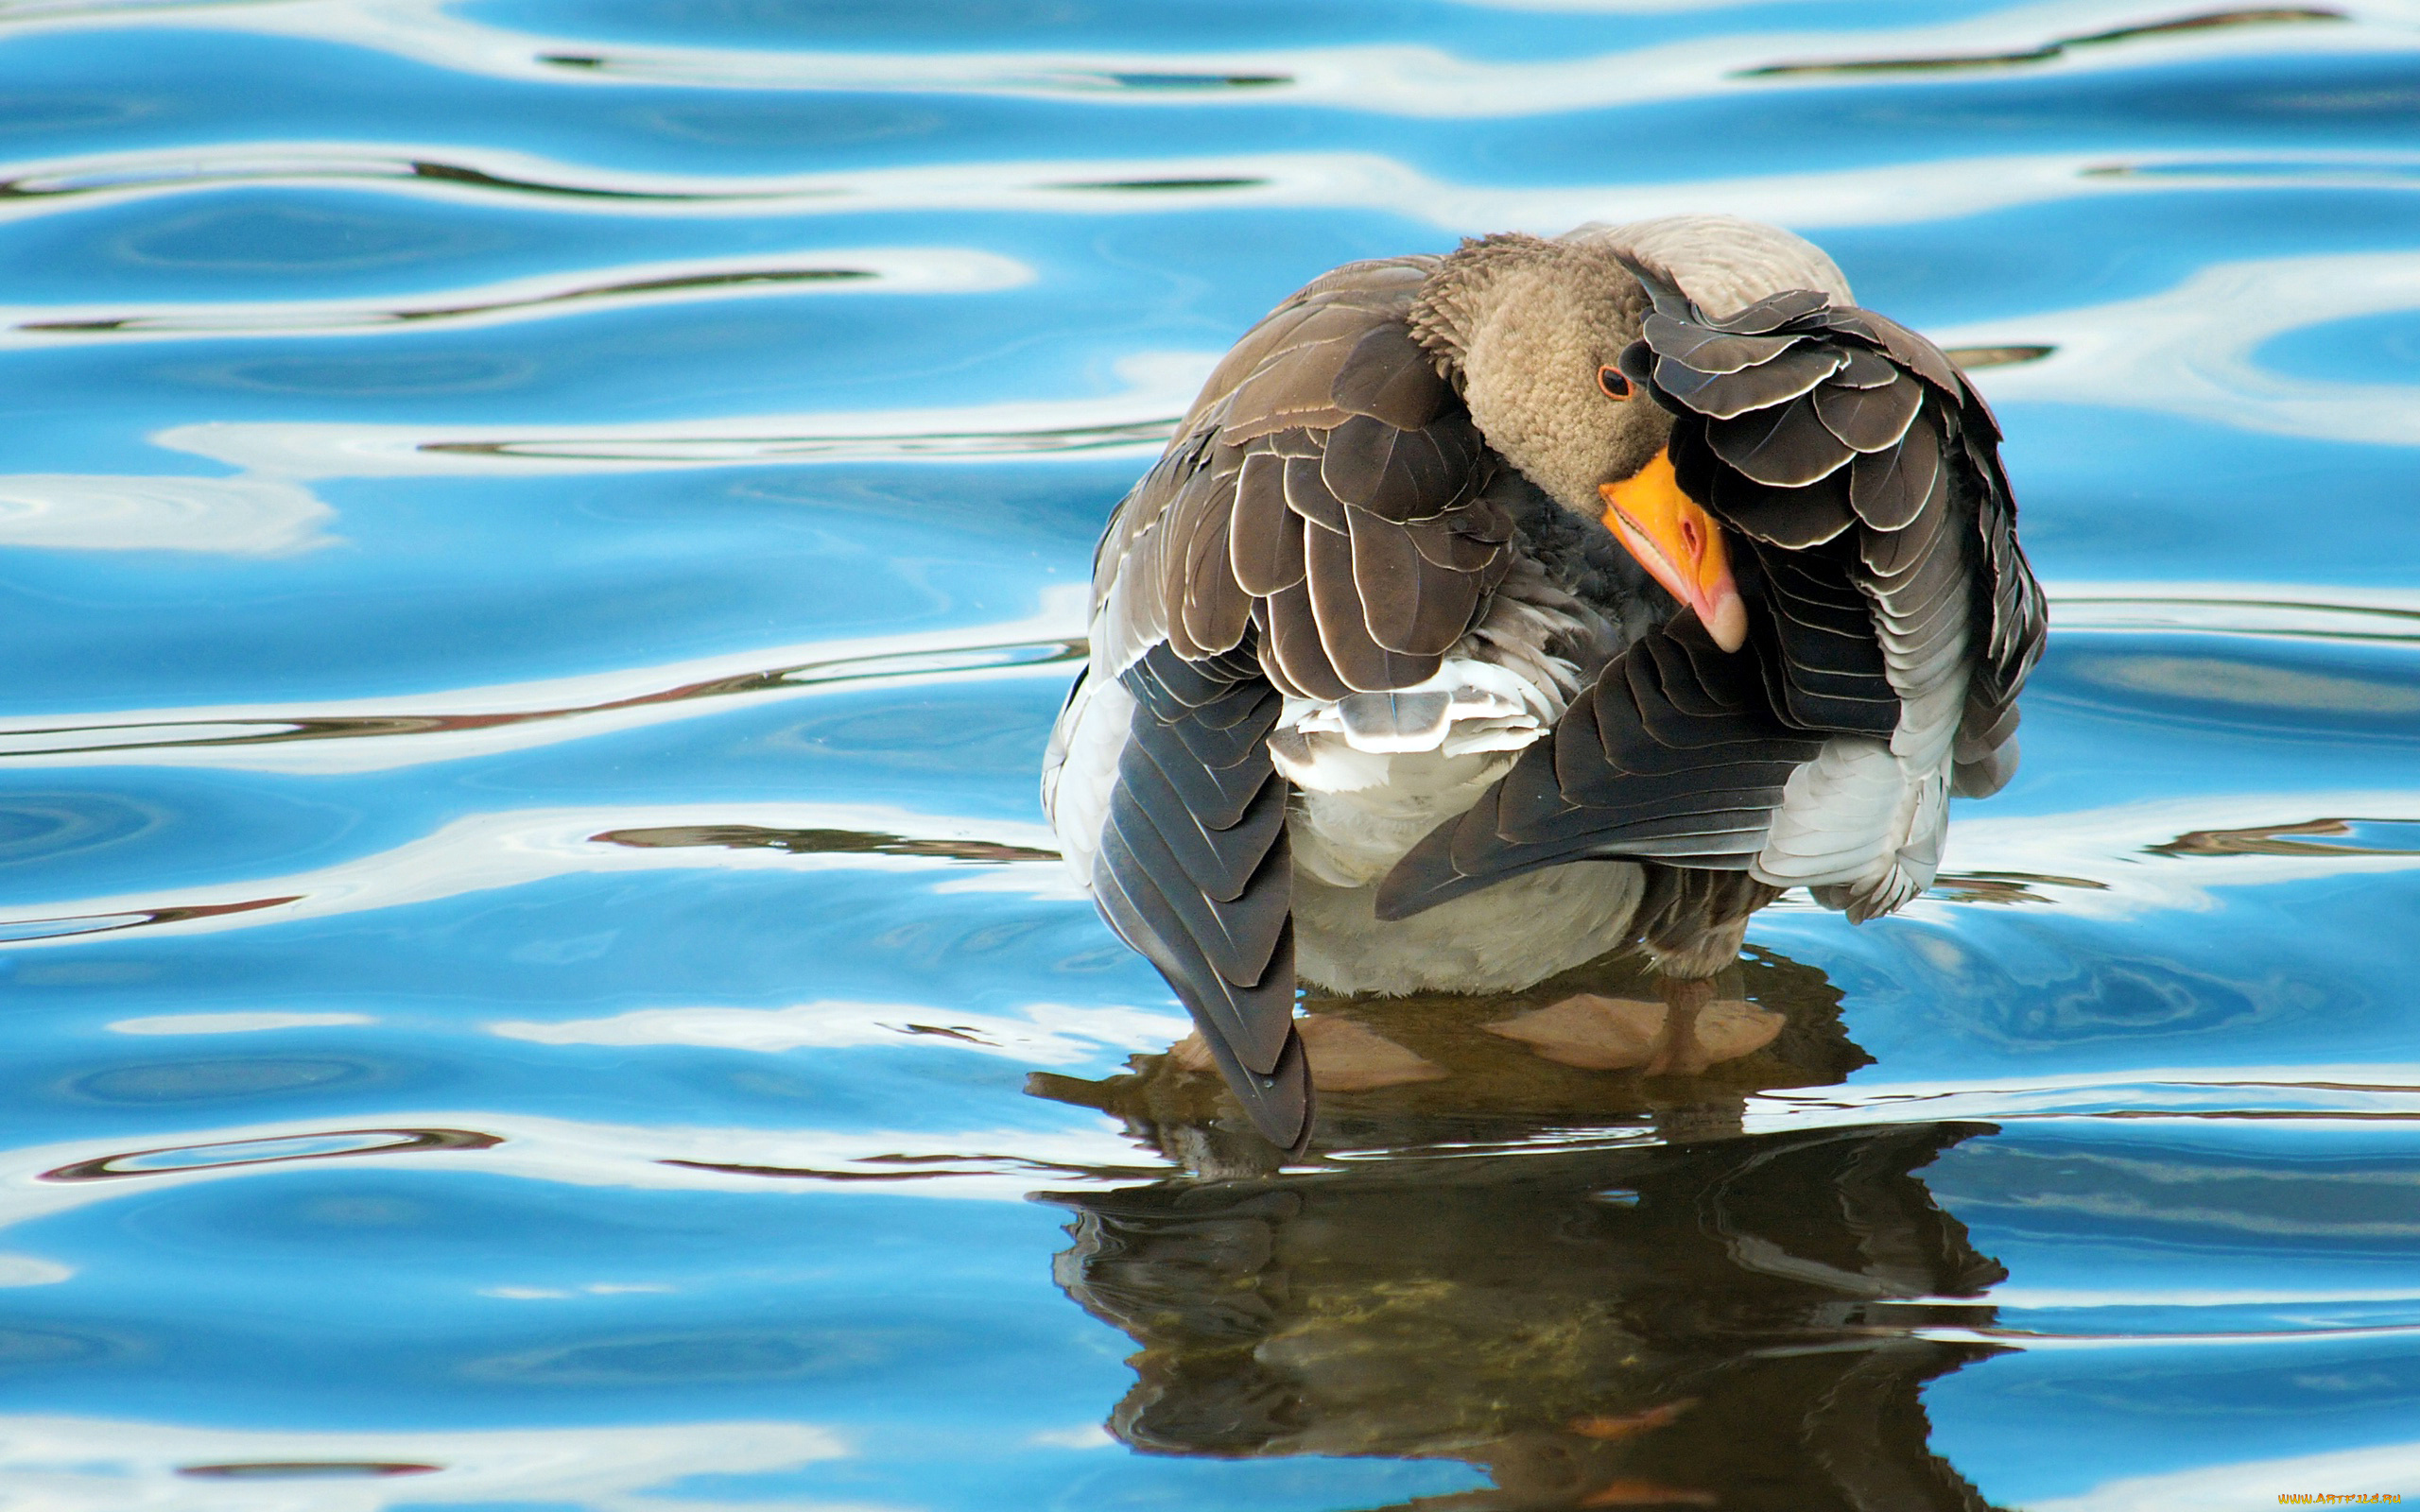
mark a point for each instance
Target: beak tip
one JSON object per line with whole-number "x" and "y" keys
{"x": 1728, "y": 625}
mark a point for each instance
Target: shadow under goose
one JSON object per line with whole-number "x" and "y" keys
{"x": 1574, "y": 1057}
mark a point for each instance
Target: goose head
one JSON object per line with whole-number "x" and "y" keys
{"x": 1532, "y": 333}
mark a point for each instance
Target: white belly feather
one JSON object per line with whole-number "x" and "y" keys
{"x": 1368, "y": 788}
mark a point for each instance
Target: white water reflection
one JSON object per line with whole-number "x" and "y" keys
{"x": 999, "y": 1163}
{"x": 488, "y": 852}
{"x": 2278, "y": 1097}
{"x": 2290, "y": 610}
{"x": 2190, "y": 350}
{"x": 2263, "y": 1484}
{"x": 2048, "y": 1299}
{"x": 2127, "y": 856}
{"x": 2220, "y": 1338}
{"x": 185, "y": 1024}
{"x": 377, "y": 734}
{"x": 1046, "y": 1034}
{"x": 1135, "y": 421}
{"x": 236, "y": 517}
{"x": 32, "y": 1270}
{"x": 62, "y": 1464}
{"x": 627, "y": 285}
{"x": 565, "y": 1294}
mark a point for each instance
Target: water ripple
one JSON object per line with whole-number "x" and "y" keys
{"x": 331, "y": 1145}
{"x": 823, "y": 842}
{"x": 2057, "y": 47}
{"x": 2192, "y": 350}
{"x": 305, "y": 1469}
{"x": 509, "y": 850}
{"x": 2304, "y": 1096}
{"x": 43, "y": 188}
{"x": 2310, "y": 837}
{"x": 1135, "y": 421}
{"x": 457, "y": 723}
{"x": 477, "y": 721}
{"x": 655, "y": 1157}
{"x": 877, "y": 270}
{"x": 1882, "y": 194}
{"x": 97, "y": 1464}
{"x": 1394, "y": 78}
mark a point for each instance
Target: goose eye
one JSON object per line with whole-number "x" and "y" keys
{"x": 1610, "y": 379}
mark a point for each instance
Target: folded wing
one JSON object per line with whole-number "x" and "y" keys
{"x": 1895, "y": 619}
{"x": 1317, "y": 529}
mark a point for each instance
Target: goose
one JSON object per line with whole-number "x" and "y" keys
{"x": 1496, "y": 609}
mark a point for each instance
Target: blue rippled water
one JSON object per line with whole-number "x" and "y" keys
{"x": 541, "y": 542}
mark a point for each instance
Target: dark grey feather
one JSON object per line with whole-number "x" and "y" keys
{"x": 1408, "y": 605}
{"x": 1720, "y": 396}
{"x": 1785, "y": 446}
{"x": 1864, "y": 368}
{"x": 1201, "y": 882}
{"x": 1869, "y": 419}
{"x": 1709, "y": 351}
{"x": 1231, "y": 1019}
{"x": 1237, "y": 939}
{"x": 1916, "y": 355}
{"x": 1793, "y": 518}
{"x": 1470, "y": 540}
{"x": 1217, "y": 796}
{"x": 1891, "y": 555}
{"x": 1217, "y": 609}
{"x": 1774, "y": 311}
{"x": 1888, "y": 488}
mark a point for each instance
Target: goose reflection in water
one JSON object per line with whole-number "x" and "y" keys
{"x": 1707, "y": 1318}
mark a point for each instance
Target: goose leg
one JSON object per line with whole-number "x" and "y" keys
{"x": 1678, "y": 1049}
{"x": 1693, "y": 924}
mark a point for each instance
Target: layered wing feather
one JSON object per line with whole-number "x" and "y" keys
{"x": 1320, "y": 529}
{"x": 1675, "y": 754}
{"x": 1895, "y": 619}
{"x": 1193, "y": 871}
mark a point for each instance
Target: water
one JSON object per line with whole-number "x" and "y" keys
{"x": 534, "y": 978}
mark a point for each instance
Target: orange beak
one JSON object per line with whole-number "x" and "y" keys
{"x": 1680, "y": 545}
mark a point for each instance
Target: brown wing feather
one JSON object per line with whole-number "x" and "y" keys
{"x": 1316, "y": 529}
{"x": 1327, "y": 404}
{"x": 1264, "y": 538}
